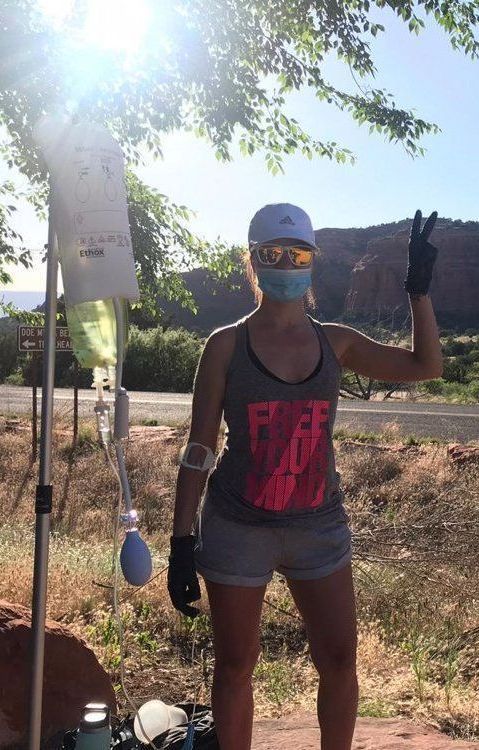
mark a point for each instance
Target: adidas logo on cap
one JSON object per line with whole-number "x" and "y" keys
{"x": 280, "y": 220}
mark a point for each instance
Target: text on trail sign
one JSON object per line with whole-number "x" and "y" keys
{"x": 30, "y": 339}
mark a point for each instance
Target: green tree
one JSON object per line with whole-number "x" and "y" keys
{"x": 219, "y": 68}
{"x": 159, "y": 360}
{"x": 9, "y": 354}
{"x": 164, "y": 246}
{"x": 9, "y": 254}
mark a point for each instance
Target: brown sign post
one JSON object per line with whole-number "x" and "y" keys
{"x": 30, "y": 339}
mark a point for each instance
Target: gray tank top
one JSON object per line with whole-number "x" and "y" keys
{"x": 277, "y": 464}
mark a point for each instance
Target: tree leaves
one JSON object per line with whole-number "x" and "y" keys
{"x": 206, "y": 66}
{"x": 11, "y": 250}
{"x": 202, "y": 66}
{"x": 164, "y": 247}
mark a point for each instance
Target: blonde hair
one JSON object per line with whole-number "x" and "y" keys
{"x": 252, "y": 278}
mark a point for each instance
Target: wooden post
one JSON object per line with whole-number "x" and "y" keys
{"x": 75, "y": 402}
{"x": 34, "y": 407}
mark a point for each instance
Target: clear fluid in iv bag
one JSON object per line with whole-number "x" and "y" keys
{"x": 92, "y": 329}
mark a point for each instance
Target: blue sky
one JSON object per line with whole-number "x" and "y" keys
{"x": 423, "y": 72}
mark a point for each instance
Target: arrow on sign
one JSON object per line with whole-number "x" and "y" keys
{"x": 30, "y": 339}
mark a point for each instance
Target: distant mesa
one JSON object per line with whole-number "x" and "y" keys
{"x": 358, "y": 277}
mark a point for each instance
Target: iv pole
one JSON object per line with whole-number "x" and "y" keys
{"x": 43, "y": 498}
{"x": 135, "y": 557}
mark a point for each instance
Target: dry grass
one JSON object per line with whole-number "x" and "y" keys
{"x": 414, "y": 517}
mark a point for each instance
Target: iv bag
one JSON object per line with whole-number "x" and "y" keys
{"x": 88, "y": 209}
{"x": 90, "y": 218}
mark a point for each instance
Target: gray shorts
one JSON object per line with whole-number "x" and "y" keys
{"x": 241, "y": 554}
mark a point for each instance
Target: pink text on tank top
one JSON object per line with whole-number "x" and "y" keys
{"x": 289, "y": 454}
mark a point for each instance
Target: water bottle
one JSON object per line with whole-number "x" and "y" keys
{"x": 94, "y": 732}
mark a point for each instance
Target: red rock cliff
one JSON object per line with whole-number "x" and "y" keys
{"x": 376, "y": 282}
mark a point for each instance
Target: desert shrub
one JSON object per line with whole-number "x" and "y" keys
{"x": 160, "y": 360}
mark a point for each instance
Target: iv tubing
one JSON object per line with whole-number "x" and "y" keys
{"x": 123, "y": 491}
{"x": 120, "y": 349}
{"x": 116, "y": 606}
{"x": 120, "y": 353}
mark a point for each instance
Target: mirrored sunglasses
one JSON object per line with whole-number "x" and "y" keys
{"x": 269, "y": 255}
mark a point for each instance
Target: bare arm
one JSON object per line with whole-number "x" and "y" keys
{"x": 426, "y": 345}
{"x": 207, "y": 410}
{"x": 396, "y": 364}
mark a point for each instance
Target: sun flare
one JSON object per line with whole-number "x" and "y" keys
{"x": 117, "y": 25}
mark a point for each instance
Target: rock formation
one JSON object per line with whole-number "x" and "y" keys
{"x": 72, "y": 677}
{"x": 358, "y": 275}
{"x": 376, "y": 285}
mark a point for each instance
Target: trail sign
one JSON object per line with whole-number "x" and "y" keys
{"x": 30, "y": 339}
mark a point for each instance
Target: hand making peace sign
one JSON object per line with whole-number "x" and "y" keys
{"x": 422, "y": 255}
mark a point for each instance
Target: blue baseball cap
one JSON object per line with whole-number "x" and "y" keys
{"x": 278, "y": 220}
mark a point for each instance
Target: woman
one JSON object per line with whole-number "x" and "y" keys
{"x": 273, "y": 500}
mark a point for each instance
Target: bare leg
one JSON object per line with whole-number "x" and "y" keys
{"x": 328, "y": 608}
{"x": 235, "y": 615}
{"x": 337, "y": 707}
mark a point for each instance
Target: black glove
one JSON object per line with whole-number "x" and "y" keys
{"x": 183, "y": 584}
{"x": 422, "y": 255}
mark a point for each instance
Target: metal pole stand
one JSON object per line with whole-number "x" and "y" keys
{"x": 43, "y": 500}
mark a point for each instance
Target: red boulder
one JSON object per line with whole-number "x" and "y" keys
{"x": 72, "y": 678}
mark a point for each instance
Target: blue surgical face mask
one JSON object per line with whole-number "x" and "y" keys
{"x": 284, "y": 284}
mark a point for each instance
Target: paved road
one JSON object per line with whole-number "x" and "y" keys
{"x": 443, "y": 421}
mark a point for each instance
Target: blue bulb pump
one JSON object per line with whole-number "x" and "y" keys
{"x": 135, "y": 558}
